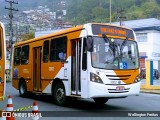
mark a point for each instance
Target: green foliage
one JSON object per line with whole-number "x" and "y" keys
{"x": 27, "y": 36}
{"x": 151, "y": 9}
{"x": 83, "y": 11}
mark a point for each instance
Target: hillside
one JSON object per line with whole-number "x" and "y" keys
{"x": 24, "y": 5}
{"x": 81, "y": 11}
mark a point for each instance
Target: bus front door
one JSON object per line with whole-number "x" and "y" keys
{"x": 37, "y": 69}
{"x": 75, "y": 67}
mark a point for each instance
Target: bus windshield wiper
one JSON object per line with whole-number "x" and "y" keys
{"x": 123, "y": 44}
{"x": 107, "y": 40}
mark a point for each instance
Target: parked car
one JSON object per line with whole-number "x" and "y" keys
{"x": 156, "y": 73}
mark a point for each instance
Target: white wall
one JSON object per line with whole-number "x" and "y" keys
{"x": 145, "y": 46}
{"x": 151, "y": 47}
{"x": 156, "y": 45}
{"x": 42, "y": 33}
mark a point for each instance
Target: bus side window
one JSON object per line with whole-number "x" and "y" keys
{"x": 17, "y": 54}
{"x": 25, "y": 54}
{"x": 61, "y": 44}
{"x": 58, "y": 49}
{"x": 52, "y": 50}
{"x": 46, "y": 51}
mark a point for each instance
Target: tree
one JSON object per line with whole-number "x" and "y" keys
{"x": 151, "y": 9}
{"x": 27, "y": 36}
{"x": 83, "y": 11}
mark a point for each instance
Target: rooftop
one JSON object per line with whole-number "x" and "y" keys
{"x": 142, "y": 24}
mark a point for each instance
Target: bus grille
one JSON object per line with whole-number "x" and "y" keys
{"x": 118, "y": 77}
{"x": 118, "y": 91}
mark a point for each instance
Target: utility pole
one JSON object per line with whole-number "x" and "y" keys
{"x": 110, "y": 7}
{"x": 120, "y": 15}
{"x": 11, "y": 9}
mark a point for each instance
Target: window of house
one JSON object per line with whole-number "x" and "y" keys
{"x": 25, "y": 54}
{"x": 46, "y": 51}
{"x": 17, "y": 54}
{"x": 141, "y": 37}
{"x": 58, "y": 49}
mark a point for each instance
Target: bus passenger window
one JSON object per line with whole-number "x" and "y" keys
{"x": 61, "y": 45}
{"x": 46, "y": 51}
{"x": 58, "y": 49}
{"x": 52, "y": 51}
{"x": 17, "y": 54}
{"x": 25, "y": 54}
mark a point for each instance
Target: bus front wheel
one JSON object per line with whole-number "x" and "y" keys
{"x": 100, "y": 100}
{"x": 22, "y": 88}
{"x": 59, "y": 94}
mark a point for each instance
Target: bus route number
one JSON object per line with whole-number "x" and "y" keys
{"x": 123, "y": 65}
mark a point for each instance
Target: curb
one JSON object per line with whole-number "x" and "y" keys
{"x": 150, "y": 91}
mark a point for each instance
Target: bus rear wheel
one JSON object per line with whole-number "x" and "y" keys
{"x": 100, "y": 101}
{"x": 22, "y": 88}
{"x": 59, "y": 94}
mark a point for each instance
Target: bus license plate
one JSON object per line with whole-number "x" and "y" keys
{"x": 119, "y": 88}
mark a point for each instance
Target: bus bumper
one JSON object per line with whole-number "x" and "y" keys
{"x": 111, "y": 91}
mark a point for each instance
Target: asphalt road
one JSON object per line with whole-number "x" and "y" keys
{"x": 87, "y": 109}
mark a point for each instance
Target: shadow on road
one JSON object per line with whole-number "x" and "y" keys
{"x": 78, "y": 104}
{"x": 72, "y": 104}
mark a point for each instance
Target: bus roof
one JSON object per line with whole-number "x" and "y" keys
{"x": 61, "y": 32}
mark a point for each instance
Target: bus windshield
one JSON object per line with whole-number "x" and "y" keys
{"x": 116, "y": 54}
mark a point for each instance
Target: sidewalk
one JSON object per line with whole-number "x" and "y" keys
{"x": 154, "y": 89}
{"x": 150, "y": 91}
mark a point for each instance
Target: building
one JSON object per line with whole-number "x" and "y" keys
{"x": 148, "y": 39}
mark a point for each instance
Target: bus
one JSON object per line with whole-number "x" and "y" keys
{"x": 2, "y": 61}
{"x": 94, "y": 60}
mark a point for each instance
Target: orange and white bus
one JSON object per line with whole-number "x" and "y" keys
{"x": 98, "y": 61}
{"x": 2, "y": 61}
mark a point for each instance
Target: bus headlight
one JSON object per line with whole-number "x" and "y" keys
{"x": 95, "y": 78}
{"x": 137, "y": 79}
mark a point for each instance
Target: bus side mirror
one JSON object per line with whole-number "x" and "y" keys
{"x": 89, "y": 43}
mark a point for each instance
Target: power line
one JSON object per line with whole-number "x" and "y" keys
{"x": 120, "y": 15}
{"x": 11, "y": 9}
{"x": 11, "y": 17}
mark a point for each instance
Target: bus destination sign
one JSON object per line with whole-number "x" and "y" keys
{"x": 111, "y": 30}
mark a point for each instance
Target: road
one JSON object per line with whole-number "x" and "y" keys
{"x": 83, "y": 107}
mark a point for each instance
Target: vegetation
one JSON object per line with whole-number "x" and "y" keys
{"x": 27, "y": 36}
{"x": 82, "y": 11}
